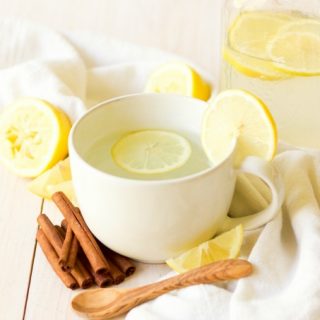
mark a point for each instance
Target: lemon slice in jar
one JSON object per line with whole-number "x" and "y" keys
{"x": 253, "y": 67}
{"x": 251, "y": 32}
{"x": 302, "y": 25}
{"x": 296, "y": 53}
{"x": 151, "y": 151}
{"x": 247, "y": 43}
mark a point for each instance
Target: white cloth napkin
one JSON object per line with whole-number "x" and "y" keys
{"x": 37, "y": 62}
{"x": 286, "y": 256}
{"x": 75, "y": 71}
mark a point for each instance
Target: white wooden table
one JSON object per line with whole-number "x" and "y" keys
{"x": 28, "y": 287}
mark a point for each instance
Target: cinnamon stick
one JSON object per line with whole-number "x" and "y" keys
{"x": 102, "y": 280}
{"x": 64, "y": 224}
{"x": 69, "y": 251}
{"x": 123, "y": 263}
{"x": 118, "y": 261}
{"x": 116, "y": 273}
{"x": 68, "y": 280}
{"x": 82, "y": 232}
{"x": 79, "y": 271}
{"x": 56, "y": 240}
{"x": 50, "y": 232}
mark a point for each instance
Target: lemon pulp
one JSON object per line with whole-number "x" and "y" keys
{"x": 33, "y": 136}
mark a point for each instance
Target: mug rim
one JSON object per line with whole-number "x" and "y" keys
{"x": 105, "y": 103}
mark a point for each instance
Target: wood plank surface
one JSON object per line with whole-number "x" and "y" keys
{"x": 18, "y": 211}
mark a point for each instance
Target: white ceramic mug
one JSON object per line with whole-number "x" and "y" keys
{"x": 154, "y": 220}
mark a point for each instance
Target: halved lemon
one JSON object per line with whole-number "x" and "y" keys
{"x": 296, "y": 53}
{"x": 225, "y": 246}
{"x": 151, "y": 151}
{"x": 237, "y": 116}
{"x": 33, "y": 136}
{"x": 178, "y": 78}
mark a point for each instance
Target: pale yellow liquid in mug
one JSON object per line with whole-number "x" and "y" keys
{"x": 294, "y": 102}
{"x": 99, "y": 156}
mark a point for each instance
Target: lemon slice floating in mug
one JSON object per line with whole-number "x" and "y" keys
{"x": 33, "y": 136}
{"x": 238, "y": 116}
{"x": 225, "y": 246}
{"x": 151, "y": 151}
{"x": 179, "y": 78}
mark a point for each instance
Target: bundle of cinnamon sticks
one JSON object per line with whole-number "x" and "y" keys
{"x": 76, "y": 256}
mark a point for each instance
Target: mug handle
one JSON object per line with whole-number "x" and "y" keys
{"x": 266, "y": 171}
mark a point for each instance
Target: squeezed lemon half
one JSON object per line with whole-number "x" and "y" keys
{"x": 151, "y": 151}
{"x": 237, "y": 116}
{"x": 225, "y": 246}
{"x": 179, "y": 78}
{"x": 33, "y": 136}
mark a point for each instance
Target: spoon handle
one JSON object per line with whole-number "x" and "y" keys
{"x": 218, "y": 271}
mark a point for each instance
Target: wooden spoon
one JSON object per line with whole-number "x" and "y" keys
{"x": 108, "y": 303}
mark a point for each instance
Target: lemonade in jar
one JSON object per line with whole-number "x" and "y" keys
{"x": 272, "y": 49}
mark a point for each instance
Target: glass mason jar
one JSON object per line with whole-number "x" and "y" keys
{"x": 272, "y": 49}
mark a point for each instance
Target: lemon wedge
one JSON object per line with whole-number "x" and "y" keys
{"x": 248, "y": 39}
{"x": 58, "y": 178}
{"x": 33, "y": 136}
{"x": 178, "y": 78}
{"x": 238, "y": 116}
{"x": 151, "y": 151}
{"x": 296, "y": 53}
{"x": 225, "y": 246}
